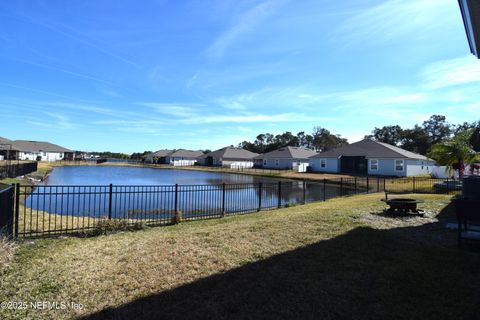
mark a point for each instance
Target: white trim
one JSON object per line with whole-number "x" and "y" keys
{"x": 325, "y": 163}
{"x": 370, "y": 164}
{"x": 395, "y": 165}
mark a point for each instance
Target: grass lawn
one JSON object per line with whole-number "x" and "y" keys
{"x": 341, "y": 258}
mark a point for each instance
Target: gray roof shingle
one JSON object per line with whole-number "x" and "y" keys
{"x": 161, "y": 153}
{"x": 232, "y": 154}
{"x": 186, "y": 153}
{"x": 288, "y": 153}
{"x": 371, "y": 150}
{"x": 37, "y": 146}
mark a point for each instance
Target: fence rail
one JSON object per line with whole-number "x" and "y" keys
{"x": 52, "y": 210}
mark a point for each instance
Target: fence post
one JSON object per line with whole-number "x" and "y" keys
{"x": 304, "y": 192}
{"x": 259, "y": 196}
{"x": 368, "y": 185}
{"x": 384, "y": 184}
{"x": 223, "y": 199}
{"x": 355, "y": 185}
{"x": 279, "y": 194}
{"x": 17, "y": 209}
{"x": 325, "y": 189}
{"x": 175, "y": 208}
{"x": 341, "y": 187}
{"x": 110, "y": 192}
{"x": 413, "y": 183}
{"x": 378, "y": 184}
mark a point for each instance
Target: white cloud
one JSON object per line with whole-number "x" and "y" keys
{"x": 181, "y": 110}
{"x": 244, "y": 24}
{"x": 445, "y": 73}
{"x": 55, "y": 121}
{"x": 395, "y": 19}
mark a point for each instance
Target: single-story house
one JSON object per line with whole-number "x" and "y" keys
{"x": 183, "y": 157}
{"x": 229, "y": 157}
{"x": 160, "y": 156}
{"x": 44, "y": 151}
{"x": 373, "y": 158}
{"x": 285, "y": 158}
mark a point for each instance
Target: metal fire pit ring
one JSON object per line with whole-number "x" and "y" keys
{"x": 403, "y": 205}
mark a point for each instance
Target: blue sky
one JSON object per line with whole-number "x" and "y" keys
{"x": 144, "y": 75}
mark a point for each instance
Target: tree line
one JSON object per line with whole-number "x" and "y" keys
{"x": 320, "y": 139}
{"x": 419, "y": 139}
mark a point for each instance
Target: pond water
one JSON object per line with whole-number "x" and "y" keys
{"x": 146, "y": 193}
{"x": 118, "y": 175}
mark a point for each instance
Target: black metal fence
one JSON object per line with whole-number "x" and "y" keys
{"x": 6, "y": 210}
{"x": 53, "y": 210}
{"x": 12, "y": 170}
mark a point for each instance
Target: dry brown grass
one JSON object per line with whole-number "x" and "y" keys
{"x": 7, "y": 251}
{"x": 108, "y": 271}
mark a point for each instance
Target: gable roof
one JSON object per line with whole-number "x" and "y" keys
{"x": 161, "y": 153}
{"x": 288, "y": 153}
{"x": 4, "y": 141}
{"x": 37, "y": 146}
{"x": 371, "y": 150}
{"x": 232, "y": 153}
{"x": 186, "y": 153}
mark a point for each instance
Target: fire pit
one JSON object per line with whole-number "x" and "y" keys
{"x": 403, "y": 205}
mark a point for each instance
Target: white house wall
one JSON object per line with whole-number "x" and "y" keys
{"x": 45, "y": 156}
{"x": 283, "y": 163}
{"x": 419, "y": 167}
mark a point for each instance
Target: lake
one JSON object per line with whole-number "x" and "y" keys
{"x": 146, "y": 193}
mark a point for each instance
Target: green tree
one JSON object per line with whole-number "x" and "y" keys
{"x": 388, "y": 134}
{"x": 415, "y": 140}
{"x": 323, "y": 140}
{"x": 455, "y": 153}
{"x": 437, "y": 128}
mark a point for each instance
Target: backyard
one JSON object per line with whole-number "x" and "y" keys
{"x": 342, "y": 258}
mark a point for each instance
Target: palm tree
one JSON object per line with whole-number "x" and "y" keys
{"x": 456, "y": 152}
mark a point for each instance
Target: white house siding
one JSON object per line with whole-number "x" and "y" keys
{"x": 332, "y": 165}
{"x": 412, "y": 167}
{"x": 45, "y": 156}
{"x": 241, "y": 164}
{"x": 419, "y": 167}
{"x": 283, "y": 163}
{"x": 181, "y": 161}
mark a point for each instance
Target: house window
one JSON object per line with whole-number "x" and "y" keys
{"x": 276, "y": 162}
{"x": 323, "y": 163}
{"x": 399, "y": 165}
{"x": 373, "y": 164}
{"x": 264, "y": 162}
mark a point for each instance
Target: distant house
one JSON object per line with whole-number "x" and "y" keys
{"x": 229, "y": 157}
{"x": 44, "y": 151}
{"x": 373, "y": 158}
{"x": 183, "y": 157}
{"x": 161, "y": 155}
{"x": 285, "y": 158}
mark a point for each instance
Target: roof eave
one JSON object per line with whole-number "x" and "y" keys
{"x": 471, "y": 15}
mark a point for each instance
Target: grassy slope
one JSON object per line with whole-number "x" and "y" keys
{"x": 324, "y": 260}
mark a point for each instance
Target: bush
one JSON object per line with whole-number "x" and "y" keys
{"x": 178, "y": 216}
{"x": 106, "y": 226}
